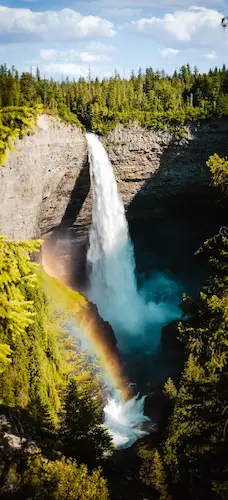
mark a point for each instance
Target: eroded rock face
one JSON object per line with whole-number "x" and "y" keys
{"x": 46, "y": 185}
{"x": 36, "y": 183}
{"x": 153, "y": 166}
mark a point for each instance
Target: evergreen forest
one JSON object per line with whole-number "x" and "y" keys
{"x": 151, "y": 98}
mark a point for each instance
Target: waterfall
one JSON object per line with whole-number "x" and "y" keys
{"x": 113, "y": 287}
{"x": 110, "y": 256}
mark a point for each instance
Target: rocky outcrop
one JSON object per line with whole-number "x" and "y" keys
{"x": 153, "y": 166}
{"x": 36, "y": 184}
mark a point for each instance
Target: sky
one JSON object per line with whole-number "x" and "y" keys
{"x": 69, "y": 37}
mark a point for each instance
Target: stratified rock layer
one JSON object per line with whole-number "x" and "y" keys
{"x": 153, "y": 166}
{"x": 46, "y": 184}
{"x": 36, "y": 183}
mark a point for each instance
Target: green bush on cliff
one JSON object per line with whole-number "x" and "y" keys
{"x": 219, "y": 169}
{"x": 64, "y": 113}
{"x": 15, "y": 121}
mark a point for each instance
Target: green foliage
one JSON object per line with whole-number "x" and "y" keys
{"x": 15, "y": 121}
{"x": 153, "y": 99}
{"x": 60, "y": 480}
{"x": 17, "y": 273}
{"x": 64, "y": 113}
{"x": 5, "y": 352}
{"x": 81, "y": 432}
{"x": 170, "y": 389}
{"x": 219, "y": 169}
{"x": 30, "y": 380}
{"x": 152, "y": 472}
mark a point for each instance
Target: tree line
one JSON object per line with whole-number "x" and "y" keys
{"x": 152, "y": 98}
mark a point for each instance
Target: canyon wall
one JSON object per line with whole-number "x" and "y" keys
{"x": 46, "y": 184}
{"x": 45, "y": 188}
{"x": 153, "y": 166}
{"x": 36, "y": 183}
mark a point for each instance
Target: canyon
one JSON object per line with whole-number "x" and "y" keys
{"x": 45, "y": 189}
{"x": 45, "y": 184}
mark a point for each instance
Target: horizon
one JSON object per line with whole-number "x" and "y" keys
{"x": 91, "y": 78}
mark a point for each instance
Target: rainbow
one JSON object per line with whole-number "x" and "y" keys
{"x": 83, "y": 315}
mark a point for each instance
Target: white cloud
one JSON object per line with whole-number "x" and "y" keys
{"x": 65, "y": 69}
{"x": 87, "y": 57}
{"x": 169, "y": 52}
{"x": 100, "y": 47}
{"x": 71, "y": 56}
{"x": 48, "y": 54}
{"x": 195, "y": 26}
{"x": 211, "y": 55}
{"x": 66, "y": 24}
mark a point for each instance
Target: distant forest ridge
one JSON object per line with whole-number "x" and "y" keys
{"x": 152, "y": 98}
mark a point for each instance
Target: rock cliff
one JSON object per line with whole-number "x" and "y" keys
{"x": 45, "y": 188}
{"x": 46, "y": 184}
{"x": 153, "y": 166}
{"x": 36, "y": 184}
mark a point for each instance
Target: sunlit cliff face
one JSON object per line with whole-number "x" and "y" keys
{"x": 52, "y": 264}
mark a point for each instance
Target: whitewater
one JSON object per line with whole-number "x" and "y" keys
{"x": 113, "y": 286}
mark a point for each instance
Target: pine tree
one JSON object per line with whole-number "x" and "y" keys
{"x": 81, "y": 432}
{"x": 153, "y": 474}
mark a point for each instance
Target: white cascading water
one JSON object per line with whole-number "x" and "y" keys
{"x": 110, "y": 256}
{"x": 125, "y": 421}
{"x": 112, "y": 282}
{"x": 113, "y": 288}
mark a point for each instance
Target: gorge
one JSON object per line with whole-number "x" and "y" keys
{"x": 156, "y": 174}
{"x": 48, "y": 190}
{"x": 132, "y": 261}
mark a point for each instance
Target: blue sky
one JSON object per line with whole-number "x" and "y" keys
{"x": 66, "y": 38}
